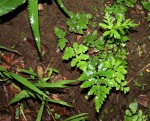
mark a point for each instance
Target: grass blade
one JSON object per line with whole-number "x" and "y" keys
{"x": 40, "y": 112}
{"x": 59, "y": 102}
{"x": 10, "y": 50}
{"x": 59, "y": 84}
{"x": 78, "y": 117}
{"x": 23, "y": 94}
{"x": 26, "y": 83}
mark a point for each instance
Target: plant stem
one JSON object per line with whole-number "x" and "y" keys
{"x": 63, "y": 7}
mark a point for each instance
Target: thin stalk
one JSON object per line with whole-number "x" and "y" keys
{"x": 60, "y": 3}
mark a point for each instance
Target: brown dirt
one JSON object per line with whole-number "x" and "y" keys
{"x": 15, "y": 27}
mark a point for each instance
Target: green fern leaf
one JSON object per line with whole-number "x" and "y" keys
{"x": 69, "y": 53}
{"x": 79, "y": 48}
{"x": 60, "y": 34}
{"x": 88, "y": 83}
{"x": 77, "y": 23}
{"x": 62, "y": 43}
{"x": 33, "y": 14}
{"x": 91, "y": 38}
{"x": 82, "y": 65}
{"x": 100, "y": 97}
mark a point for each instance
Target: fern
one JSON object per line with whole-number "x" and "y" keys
{"x": 116, "y": 9}
{"x": 128, "y": 3}
{"x": 102, "y": 75}
{"x": 115, "y": 27}
{"x": 77, "y": 23}
{"x": 133, "y": 114}
{"x": 90, "y": 38}
{"x": 61, "y": 38}
{"x": 105, "y": 67}
{"x": 78, "y": 56}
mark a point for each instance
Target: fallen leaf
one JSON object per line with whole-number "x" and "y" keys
{"x": 143, "y": 100}
{"x": 6, "y": 66}
{"x": 5, "y": 59}
{"x": 40, "y": 71}
{"x": 16, "y": 61}
{"x": 79, "y": 37}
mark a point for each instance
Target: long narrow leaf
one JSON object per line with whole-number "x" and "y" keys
{"x": 59, "y": 84}
{"x": 23, "y": 94}
{"x": 59, "y": 102}
{"x": 78, "y": 117}
{"x": 9, "y": 49}
{"x": 2, "y": 69}
{"x": 33, "y": 14}
{"x": 40, "y": 112}
{"x": 7, "y": 6}
{"x": 28, "y": 72}
{"x": 146, "y": 5}
{"x": 26, "y": 83}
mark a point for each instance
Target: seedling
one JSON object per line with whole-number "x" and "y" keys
{"x": 76, "y": 22}
{"x": 133, "y": 114}
{"x": 138, "y": 84}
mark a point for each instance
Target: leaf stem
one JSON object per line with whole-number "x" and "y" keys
{"x": 60, "y": 3}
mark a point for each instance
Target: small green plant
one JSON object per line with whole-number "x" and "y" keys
{"x": 36, "y": 88}
{"x": 138, "y": 84}
{"x": 60, "y": 34}
{"x": 76, "y": 22}
{"x": 128, "y": 3}
{"x": 102, "y": 59}
{"x": 78, "y": 56}
{"x": 133, "y": 114}
{"x": 116, "y": 27}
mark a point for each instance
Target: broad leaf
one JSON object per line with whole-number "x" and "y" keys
{"x": 7, "y": 6}
{"x": 146, "y": 5}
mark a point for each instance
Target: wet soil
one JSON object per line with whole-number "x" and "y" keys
{"x": 15, "y": 32}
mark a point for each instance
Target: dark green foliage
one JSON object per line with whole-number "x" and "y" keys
{"x": 78, "y": 56}
{"x": 77, "y": 23}
{"x": 116, "y": 27}
{"x": 128, "y": 3}
{"x": 101, "y": 59}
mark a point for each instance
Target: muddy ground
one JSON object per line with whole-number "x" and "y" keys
{"x": 15, "y": 31}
